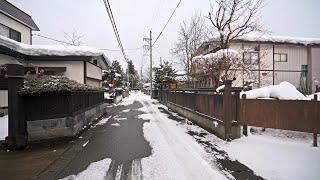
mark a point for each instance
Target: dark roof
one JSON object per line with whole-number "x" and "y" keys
{"x": 12, "y": 11}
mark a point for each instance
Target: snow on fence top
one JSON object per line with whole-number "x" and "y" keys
{"x": 50, "y": 50}
{"x": 277, "y": 39}
{"x": 283, "y": 91}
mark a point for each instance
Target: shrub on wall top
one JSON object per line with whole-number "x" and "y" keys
{"x": 50, "y": 84}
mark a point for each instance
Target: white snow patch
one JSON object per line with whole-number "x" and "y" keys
{"x": 284, "y": 91}
{"x": 103, "y": 121}
{"x": 3, "y": 127}
{"x": 115, "y": 124}
{"x": 126, "y": 110}
{"x": 95, "y": 171}
{"x": 311, "y": 96}
{"x": 120, "y": 119}
{"x": 215, "y": 123}
{"x": 176, "y": 155}
{"x": 275, "y": 158}
{"x": 85, "y": 144}
{"x": 220, "y": 88}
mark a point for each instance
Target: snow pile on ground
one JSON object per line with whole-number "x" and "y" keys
{"x": 3, "y": 127}
{"x": 95, "y": 171}
{"x": 129, "y": 100}
{"x": 284, "y": 91}
{"x": 276, "y": 158}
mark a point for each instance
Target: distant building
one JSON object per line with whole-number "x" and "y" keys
{"x": 79, "y": 63}
{"x": 277, "y": 59}
{"x": 15, "y": 23}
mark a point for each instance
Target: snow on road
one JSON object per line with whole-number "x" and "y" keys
{"x": 3, "y": 127}
{"x": 96, "y": 171}
{"x": 176, "y": 155}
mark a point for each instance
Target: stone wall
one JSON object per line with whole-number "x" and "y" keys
{"x": 63, "y": 127}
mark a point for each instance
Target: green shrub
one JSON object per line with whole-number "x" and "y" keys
{"x": 50, "y": 84}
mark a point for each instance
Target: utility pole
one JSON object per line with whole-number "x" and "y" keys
{"x": 149, "y": 47}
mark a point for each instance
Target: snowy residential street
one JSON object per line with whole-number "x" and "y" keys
{"x": 142, "y": 139}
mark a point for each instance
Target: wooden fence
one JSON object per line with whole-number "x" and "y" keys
{"x": 294, "y": 115}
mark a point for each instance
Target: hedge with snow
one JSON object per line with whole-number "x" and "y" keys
{"x": 51, "y": 84}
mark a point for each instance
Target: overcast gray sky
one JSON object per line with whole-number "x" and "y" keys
{"x": 135, "y": 18}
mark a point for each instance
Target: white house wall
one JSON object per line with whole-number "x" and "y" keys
{"x": 315, "y": 56}
{"x": 296, "y": 56}
{"x": 74, "y": 69}
{"x": 94, "y": 71}
{"x": 24, "y": 30}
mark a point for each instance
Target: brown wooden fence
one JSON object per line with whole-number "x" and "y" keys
{"x": 291, "y": 115}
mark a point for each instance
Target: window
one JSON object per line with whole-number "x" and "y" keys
{"x": 251, "y": 57}
{"x": 280, "y": 57}
{"x": 4, "y": 31}
{"x": 15, "y": 35}
{"x": 10, "y": 33}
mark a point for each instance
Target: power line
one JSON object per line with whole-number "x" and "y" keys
{"x": 64, "y": 42}
{"x": 114, "y": 26}
{"x": 52, "y": 39}
{"x": 132, "y": 49}
{"x": 167, "y": 22}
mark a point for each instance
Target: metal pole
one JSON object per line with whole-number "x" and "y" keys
{"x": 150, "y": 41}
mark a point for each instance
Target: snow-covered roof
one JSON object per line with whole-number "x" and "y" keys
{"x": 277, "y": 39}
{"x": 51, "y": 50}
{"x": 230, "y": 53}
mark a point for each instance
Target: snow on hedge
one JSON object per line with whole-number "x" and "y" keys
{"x": 284, "y": 91}
{"x": 50, "y": 50}
{"x": 48, "y": 84}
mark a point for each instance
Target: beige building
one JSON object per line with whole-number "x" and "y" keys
{"x": 275, "y": 59}
{"x": 15, "y": 23}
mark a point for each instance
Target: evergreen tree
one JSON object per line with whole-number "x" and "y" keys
{"x": 163, "y": 73}
{"x": 133, "y": 75}
{"x": 118, "y": 73}
{"x": 114, "y": 75}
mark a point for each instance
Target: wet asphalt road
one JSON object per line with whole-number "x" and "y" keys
{"x": 121, "y": 140}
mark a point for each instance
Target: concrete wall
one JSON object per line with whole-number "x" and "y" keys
{"x": 214, "y": 126}
{"x": 13, "y": 24}
{"x": 74, "y": 71}
{"x": 63, "y": 127}
{"x": 94, "y": 82}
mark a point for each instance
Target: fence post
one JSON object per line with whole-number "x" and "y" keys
{"x": 244, "y": 127}
{"x": 315, "y": 136}
{"x": 17, "y": 130}
{"x": 227, "y": 108}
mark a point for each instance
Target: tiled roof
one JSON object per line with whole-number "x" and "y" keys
{"x": 12, "y": 11}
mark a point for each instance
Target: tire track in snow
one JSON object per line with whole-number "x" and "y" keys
{"x": 188, "y": 156}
